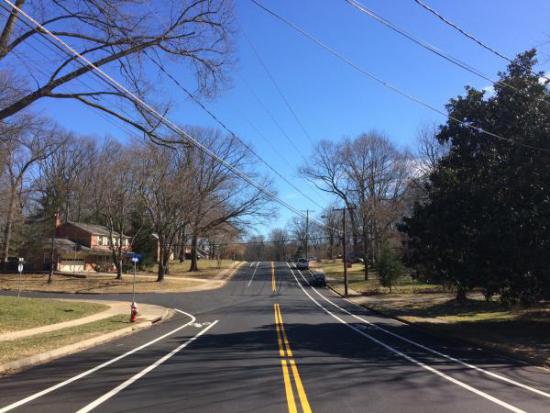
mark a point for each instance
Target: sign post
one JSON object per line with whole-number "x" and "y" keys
{"x": 20, "y": 269}
{"x": 133, "y": 307}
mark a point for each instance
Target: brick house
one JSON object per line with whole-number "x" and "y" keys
{"x": 80, "y": 247}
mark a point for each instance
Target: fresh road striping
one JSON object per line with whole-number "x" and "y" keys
{"x": 288, "y": 363}
{"x": 99, "y": 367}
{"x": 405, "y": 356}
{"x": 143, "y": 372}
{"x": 273, "y": 280}
{"x": 431, "y": 350}
{"x": 254, "y": 273}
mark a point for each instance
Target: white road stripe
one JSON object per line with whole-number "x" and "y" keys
{"x": 438, "y": 353}
{"x": 407, "y": 357}
{"x": 99, "y": 367}
{"x": 143, "y": 372}
{"x": 251, "y": 278}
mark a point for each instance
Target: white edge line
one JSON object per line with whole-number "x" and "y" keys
{"x": 409, "y": 358}
{"x": 431, "y": 350}
{"x": 251, "y": 278}
{"x": 143, "y": 372}
{"x": 93, "y": 370}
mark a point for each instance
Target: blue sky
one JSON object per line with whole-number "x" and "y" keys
{"x": 331, "y": 99}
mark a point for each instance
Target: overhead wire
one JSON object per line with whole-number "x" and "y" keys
{"x": 120, "y": 125}
{"x": 227, "y": 129}
{"x": 160, "y": 117}
{"x": 277, "y": 87}
{"x": 390, "y": 86}
{"x": 431, "y": 48}
{"x": 464, "y": 32}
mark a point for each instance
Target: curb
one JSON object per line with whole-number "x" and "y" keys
{"x": 485, "y": 346}
{"x": 42, "y": 358}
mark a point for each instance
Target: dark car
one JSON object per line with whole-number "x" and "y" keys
{"x": 302, "y": 264}
{"x": 317, "y": 279}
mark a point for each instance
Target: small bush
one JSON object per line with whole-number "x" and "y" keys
{"x": 389, "y": 267}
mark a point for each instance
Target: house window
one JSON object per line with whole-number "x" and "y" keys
{"x": 100, "y": 241}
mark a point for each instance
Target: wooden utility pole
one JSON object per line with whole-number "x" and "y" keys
{"x": 344, "y": 253}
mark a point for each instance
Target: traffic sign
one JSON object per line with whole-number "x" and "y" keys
{"x": 20, "y": 267}
{"x": 135, "y": 259}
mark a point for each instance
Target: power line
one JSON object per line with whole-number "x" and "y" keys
{"x": 161, "y": 118}
{"x": 279, "y": 90}
{"x": 465, "y": 33}
{"x": 226, "y": 128}
{"x": 390, "y": 86}
{"x": 446, "y": 56}
{"x": 59, "y": 52}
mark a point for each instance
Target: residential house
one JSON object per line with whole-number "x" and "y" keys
{"x": 81, "y": 247}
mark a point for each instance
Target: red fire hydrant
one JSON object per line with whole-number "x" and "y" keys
{"x": 133, "y": 312}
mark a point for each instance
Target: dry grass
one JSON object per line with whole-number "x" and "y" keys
{"x": 95, "y": 283}
{"x": 208, "y": 269}
{"x": 26, "y": 347}
{"x": 23, "y": 313}
{"x": 356, "y": 278}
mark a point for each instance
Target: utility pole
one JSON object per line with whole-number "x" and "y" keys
{"x": 344, "y": 254}
{"x": 307, "y": 235}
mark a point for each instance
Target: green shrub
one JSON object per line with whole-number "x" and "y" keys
{"x": 389, "y": 267}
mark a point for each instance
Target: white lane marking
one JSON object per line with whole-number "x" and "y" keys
{"x": 409, "y": 358}
{"x": 143, "y": 372}
{"x": 431, "y": 350}
{"x": 251, "y": 278}
{"x": 99, "y": 367}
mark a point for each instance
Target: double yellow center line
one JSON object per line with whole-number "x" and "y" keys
{"x": 289, "y": 367}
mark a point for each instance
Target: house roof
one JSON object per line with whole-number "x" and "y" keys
{"x": 92, "y": 228}
{"x": 66, "y": 245}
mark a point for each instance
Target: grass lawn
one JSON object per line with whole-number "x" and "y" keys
{"x": 95, "y": 283}
{"x": 520, "y": 331}
{"x": 208, "y": 269}
{"x": 23, "y": 313}
{"x": 25, "y": 347}
{"x": 356, "y": 278}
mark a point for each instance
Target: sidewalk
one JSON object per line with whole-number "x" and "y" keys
{"x": 147, "y": 315}
{"x": 146, "y": 312}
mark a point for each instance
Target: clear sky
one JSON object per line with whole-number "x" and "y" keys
{"x": 331, "y": 99}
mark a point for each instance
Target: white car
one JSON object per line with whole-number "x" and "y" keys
{"x": 302, "y": 264}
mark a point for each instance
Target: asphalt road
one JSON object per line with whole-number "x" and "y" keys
{"x": 269, "y": 342}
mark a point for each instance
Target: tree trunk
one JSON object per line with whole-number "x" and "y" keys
{"x": 194, "y": 265}
{"x": 460, "y": 294}
{"x": 365, "y": 252}
{"x": 8, "y": 29}
{"x": 52, "y": 251}
{"x": 163, "y": 260}
{"x": 8, "y": 228}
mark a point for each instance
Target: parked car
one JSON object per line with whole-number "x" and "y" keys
{"x": 302, "y": 264}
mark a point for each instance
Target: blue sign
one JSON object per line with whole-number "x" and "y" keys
{"x": 135, "y": 259}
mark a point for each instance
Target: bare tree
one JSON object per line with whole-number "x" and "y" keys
{"x": 167, "y": 195}
{"x": 279, "y": 238}
{"x": 378, "y": 173}
{"x": 23, "y": 147}
{"x": 221, "y": 196}
{"x": 117, "y": 34}
{"x": 116, "y": 189}
{"x": 327, "y": 171}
